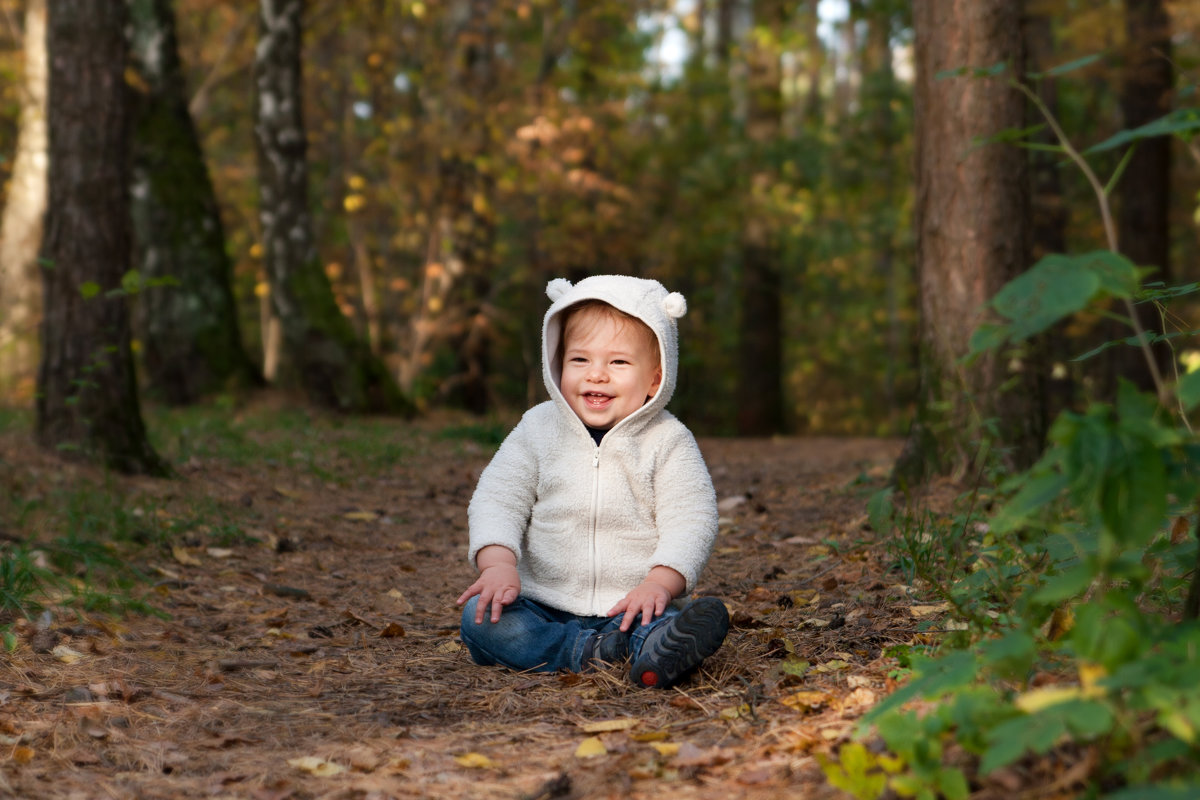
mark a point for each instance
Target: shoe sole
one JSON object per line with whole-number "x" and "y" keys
{"x": 693, "y": 635}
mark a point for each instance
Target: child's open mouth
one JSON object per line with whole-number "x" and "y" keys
{"x": 596, "y": 400}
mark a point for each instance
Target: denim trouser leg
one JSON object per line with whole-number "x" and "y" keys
{"x": 532, "y": 636}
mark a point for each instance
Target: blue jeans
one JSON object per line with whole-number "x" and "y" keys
{"x": 534, "y": 637}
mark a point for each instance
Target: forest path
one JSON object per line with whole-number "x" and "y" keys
{"x": 322, "y": 660}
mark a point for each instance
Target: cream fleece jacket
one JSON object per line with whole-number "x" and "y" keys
{"x": 588, "y": 522}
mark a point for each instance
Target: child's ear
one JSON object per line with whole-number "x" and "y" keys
{"x": 656, "y": 384}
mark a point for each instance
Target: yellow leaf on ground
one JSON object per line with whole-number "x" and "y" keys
{"x": 590, "y": 748}
{"x": 805, "y": 701}
{"x": 474, "y": 761}
{"x": 667, "y": 749}
{"x": 604, "y": 726}
{"x": 733, "y": 712}
{"x": 1090, "y": 673}
{"x": 287, "y": 493}
{"x": 361, "y": 516}
{"x": 650, "y": 736}
{"x": 1046, "y": 696}
{"x": 831, "y": 666}
{"x": 448, "y": 647}
{"x": 66, "y": 654}
{"x": 924, "y": 611}
{"x": 23, "y": 755}
{"x": 316, "y": 766}
{"x": 219, "y": 552}
{"x": 184, "y": 557}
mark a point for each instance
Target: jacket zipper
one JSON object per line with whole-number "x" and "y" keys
{"x": 593, "y": 522}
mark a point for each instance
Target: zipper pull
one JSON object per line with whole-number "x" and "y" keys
{"x": 596, "y": 458}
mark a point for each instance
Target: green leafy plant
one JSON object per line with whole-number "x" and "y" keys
{"x": 1084, "y": 593}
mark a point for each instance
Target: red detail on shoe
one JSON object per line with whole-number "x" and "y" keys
{"x": 649, "y": 678}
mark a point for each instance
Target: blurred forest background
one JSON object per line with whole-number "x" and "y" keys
{"x": 756, "y": 156}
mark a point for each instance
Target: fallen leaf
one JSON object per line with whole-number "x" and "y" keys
{"x": 316, "y": 766}
{"x": 590, "y": 748}
{"x": 66, "y": 654}
{"x": 604, "y": 726}
{"x": 182, "y": 555}
{"x": 361, "y": 516}
{"x": 733, "y": 712}
{"x": 831, "y": 666}
{"x": 393, "y": 630}
{"x": 23, "y": 755}
{"x": 667, "y": 749}
{"x": 448, "y": 647}
{"x": 474, "y": 761}
{"x": 287, "y": 493}
{"x": 805, "y": 701}
{"x": 924, "y": 611}
{"x": 219, "y": 552}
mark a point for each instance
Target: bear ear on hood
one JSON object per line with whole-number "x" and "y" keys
{"x": 557, "y": 288}
{"x": 675, "y": 305}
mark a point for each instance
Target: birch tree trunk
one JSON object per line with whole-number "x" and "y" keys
{"x": 333, "y": 365}
{"x": 21, "y": 228}
{"x": 87, "y": 404}
{"x": 191, "y": 341}
{"x": 972, "y": 225}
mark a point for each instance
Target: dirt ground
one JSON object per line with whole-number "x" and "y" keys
{"x": 322, "y": 660}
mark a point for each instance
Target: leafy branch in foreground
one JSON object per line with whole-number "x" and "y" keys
{"x": 1083, "y": 593}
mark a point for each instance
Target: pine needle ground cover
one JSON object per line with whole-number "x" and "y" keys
{"x": 304, "y": 568}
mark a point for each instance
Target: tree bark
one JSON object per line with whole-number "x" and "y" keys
{"x": 971, "y": 216}
{"x": 1143, "y": 195}
{"x": 21, "y": 228}
{"x": 333, "y": 365}
{"x": 191, "y": 340}
{"x": 760, "y": 386}
{"x": 87, "y": 403}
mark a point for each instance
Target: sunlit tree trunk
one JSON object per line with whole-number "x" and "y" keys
{"x": 760, "y": 385}
{"x": 333, "y": 365}
{"x": 972, "y": 236}
{"x": 1143, "y": 195}
{"x": 87, "y": 403}
{"x": 191, "y": 342}
{"x": 21, "y": 228}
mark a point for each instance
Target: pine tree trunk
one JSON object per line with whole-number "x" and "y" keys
{"x": 190, "y": 335}
{"x": 760, "y": 386}
{"x": 87, "y": 403}
{"x": 21, "y": 228}
{"x": 333, "y": 365}
{"x": 972, "y": 236}
{"x": 1143, "y": 195}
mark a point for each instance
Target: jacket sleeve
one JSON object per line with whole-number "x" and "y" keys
{"x": 685, "y": 508}
{"x": 503, "y": 500}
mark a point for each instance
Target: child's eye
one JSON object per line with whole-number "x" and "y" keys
{"x": 620, "y": 361}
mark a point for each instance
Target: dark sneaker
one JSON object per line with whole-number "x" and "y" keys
{"x": 605, "y": 648}
{"x": 677, "y": 646}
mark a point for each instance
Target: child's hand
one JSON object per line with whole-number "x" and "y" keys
{"x": 649, "y": 599}
{"x": 498, "y": 583}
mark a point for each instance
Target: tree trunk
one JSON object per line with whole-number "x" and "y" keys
{"x": 760, "y": 386}
{"x": 87, "y": 403}
{"x": 971, "y": 217}
{"x": 191, "y": 343}
{"x": 1143, "y": 195}
{"x": 333, "y": 365}
{"x": 1049, "y": 221}
{"x": 21, "y": 228}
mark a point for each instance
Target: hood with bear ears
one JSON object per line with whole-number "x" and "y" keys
{"x": 647, "y": 300}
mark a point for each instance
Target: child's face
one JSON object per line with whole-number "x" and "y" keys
{"x": 609, "y": 367}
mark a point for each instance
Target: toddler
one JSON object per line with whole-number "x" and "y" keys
{"x": 597, "y": 511}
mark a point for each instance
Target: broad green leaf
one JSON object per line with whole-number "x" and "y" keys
{"x": 934, "y": 677}
{"x": 1067, "y": 584}
{"x": 1012, "y": 654}
{"x": 1118, "y": 275}
{"x": 953, "y": 784}
{"x": 1009, "y": 740}
{"x": 1036, "y": 493}
{"x": 1088, "y": 719}
{"x": 1188, "y": 390}
{"x": 1133, "y": 499}
{"x": 89, "y": 289}
{"x": 987, "y": 336}
{"x": 1054, "y": 288}
{"x": 1181, "y": 120}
